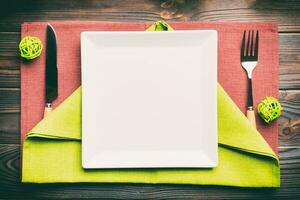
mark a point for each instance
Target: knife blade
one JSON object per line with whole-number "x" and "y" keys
{"x": 51, "y": 85}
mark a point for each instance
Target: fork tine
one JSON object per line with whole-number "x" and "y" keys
{"x": 252, "y": 41}
{"x": 248, "y": 44}
{"x": 243, "y": 45}
{"x": 256, "y": 46}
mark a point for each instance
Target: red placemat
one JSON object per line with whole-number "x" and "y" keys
{"x": 230, "y": 73}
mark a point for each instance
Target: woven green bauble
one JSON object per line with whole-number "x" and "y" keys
{"x": 30, "y": 47}
{"x": 269, "y": 109}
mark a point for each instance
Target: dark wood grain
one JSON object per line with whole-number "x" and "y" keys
{"x": 10, "y": 128}
{"x": 289, "y": 123}
{"x": 12, "y": 188}
{"x": 14, "y": 12}
{"x": 10, "y": 100}
{"x": 289, "y": 47}
{"x": 286, "y": 13}
{"x": 9, "y": 58}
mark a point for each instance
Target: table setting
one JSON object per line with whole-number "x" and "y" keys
{"x": 155, "y": 103}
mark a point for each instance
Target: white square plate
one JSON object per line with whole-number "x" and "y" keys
{"x": 149, "y": 99}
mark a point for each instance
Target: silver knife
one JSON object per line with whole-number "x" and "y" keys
{"x": 51, "y": 86}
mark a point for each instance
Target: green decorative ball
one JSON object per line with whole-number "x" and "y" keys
{"x": 269, "y": 109}
{"x": 30, "y": 47}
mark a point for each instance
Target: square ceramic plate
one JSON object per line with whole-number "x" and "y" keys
{"x": 149, "y": 99}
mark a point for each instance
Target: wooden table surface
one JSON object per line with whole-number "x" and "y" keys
{"x": 13, "y": 13}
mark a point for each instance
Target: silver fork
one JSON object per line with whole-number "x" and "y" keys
{"x": 249, "y": 58}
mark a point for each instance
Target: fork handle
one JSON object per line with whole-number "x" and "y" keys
{"x": 250, "y": 110}
{"x": 251, "y": 116}
{"x": 250, "y": 96}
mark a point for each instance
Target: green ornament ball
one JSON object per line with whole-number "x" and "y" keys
{"x": 269, "y": 109}
{"x": 30, "y": 47}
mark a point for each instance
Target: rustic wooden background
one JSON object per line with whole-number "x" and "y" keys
{"x": 13, "y": 13}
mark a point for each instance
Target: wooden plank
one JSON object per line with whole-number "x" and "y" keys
{"x": 14, "y": 12}
{"x": 10, "y": 186}
{"x": 9, "y": 61}
{"x": 9, "y": 128}
{"x": 289, "y": 123}
{"x": 9, "y": 78}
{"x": 289, "y": 46}
{"x": 10, "y": 100}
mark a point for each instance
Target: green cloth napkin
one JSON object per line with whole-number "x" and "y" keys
{"x": 52, "y": 152}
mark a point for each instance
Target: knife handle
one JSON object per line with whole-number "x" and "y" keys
{"x": 48, "y": 109}
{"x": 251, "y": 116}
